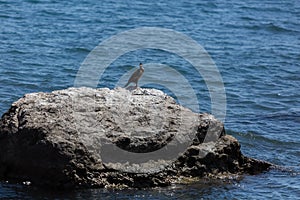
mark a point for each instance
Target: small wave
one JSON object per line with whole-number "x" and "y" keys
{"x": 3, "y": 16}
{"x": 34, "y": 1}
{"x": 262, "y": 139}
{"x": 79, "y": 50}
{"x": 15, "y": 51}
{"x": 276, "y": 28}
{"x": 5, "y": 2}
{"x": 290, "y": 115}
{"x": 247, "y": 18}
{"x": 290, "y": 170}
{"x": 271, "y": 27}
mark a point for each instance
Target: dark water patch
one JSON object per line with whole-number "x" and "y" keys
{"x": 79, "y": 50}
{"x": 247, "y": 18}
{"x": 289, "y": 115}
{"x": 10, "y": 191}
{"x": 34, "y": 1}
{"x": 271, "y": 27}
{"x": 277, "y": 28}
{"x": 3, "y": 16}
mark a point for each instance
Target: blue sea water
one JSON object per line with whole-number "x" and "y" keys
{"x": 255, "y": 45}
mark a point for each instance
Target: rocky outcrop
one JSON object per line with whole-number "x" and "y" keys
{"x": 83, "y": 137}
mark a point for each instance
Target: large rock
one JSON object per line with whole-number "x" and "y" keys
{"x": 82, "y": 137}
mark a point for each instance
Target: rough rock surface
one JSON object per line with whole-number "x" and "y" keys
{"x": 83, "y": 137}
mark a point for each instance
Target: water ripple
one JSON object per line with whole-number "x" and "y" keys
{"x": 255, "y": 46}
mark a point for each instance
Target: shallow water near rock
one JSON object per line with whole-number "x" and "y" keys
{"x": 255, "y": 45}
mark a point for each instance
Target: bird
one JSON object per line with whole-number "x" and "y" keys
{"x": 136, "y": 76}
